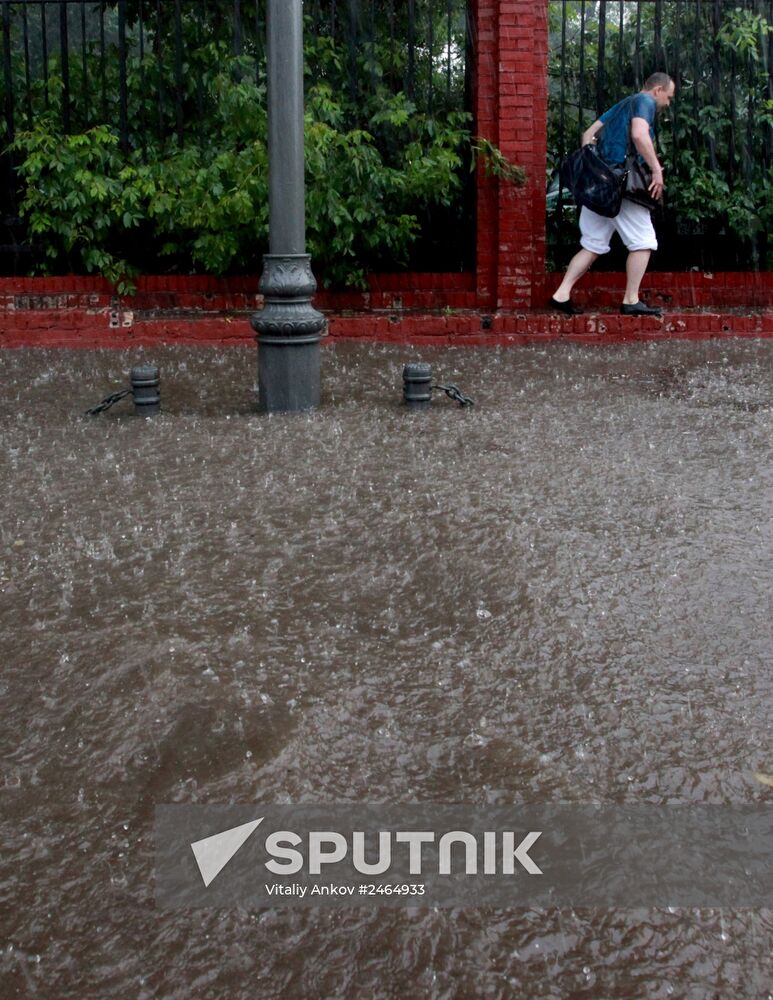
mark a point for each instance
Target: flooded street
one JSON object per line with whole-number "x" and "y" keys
{"x": 560, "y": 595}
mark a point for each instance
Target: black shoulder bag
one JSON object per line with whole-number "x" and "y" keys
{"x": 637, "y": 182}
{"x": 638, "y": 177}
{"x": 592, "y": 181}
{"x": 601, "y": 188}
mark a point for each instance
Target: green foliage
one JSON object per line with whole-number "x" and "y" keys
{"x": 359, "y": 205}
{"x": 77, "y": 191}
{"x": 208, "y": 203}
{"x": 496, "y": 164}
{"x": 187, "y": 189}
{"x": 745, "y": 33}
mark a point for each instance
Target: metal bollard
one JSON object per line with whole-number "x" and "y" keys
{"x": 417, "y": 384}
{"x": 145, "y": 390}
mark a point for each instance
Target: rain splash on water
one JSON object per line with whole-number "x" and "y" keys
{"x": 562, "y": 594}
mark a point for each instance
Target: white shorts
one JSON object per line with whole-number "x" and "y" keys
{"x": 633, "y": 222}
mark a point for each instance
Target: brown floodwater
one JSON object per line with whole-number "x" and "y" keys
{"x": 560, "y": 595}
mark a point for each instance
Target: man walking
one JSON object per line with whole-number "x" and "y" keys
{"x": 634, "y": 115}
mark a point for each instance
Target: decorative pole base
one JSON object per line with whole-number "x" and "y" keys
{"x": 288, "y": 330}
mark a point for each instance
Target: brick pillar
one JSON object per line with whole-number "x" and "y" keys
{"x": 511, "y": 110}
{"x": 485, "y": 26}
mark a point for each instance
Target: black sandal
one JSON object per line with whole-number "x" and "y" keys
{"x": 565, "y": 307}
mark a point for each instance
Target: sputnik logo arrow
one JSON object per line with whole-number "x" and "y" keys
{"x": 213, "y": 853}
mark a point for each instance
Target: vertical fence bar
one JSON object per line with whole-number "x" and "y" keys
{"x": 7, "y": 159}
{"x": 470, "y": 48}
{"x": 637, "y": 66}
{"x": 103, "y": 62}
{"x": 238, "y": 44}
{"x": 260, "y": 51}
{"x": 352, "y": 37}
{"x": 64, "y": 49}
{"x": 431, "y": 62}
{"x": 123, "y": 90}
{"x": 44, "y": 51}
{"x": 581, "y": 81}
{"x": 372, "y": 46}
{"x": 392, "y": 42}
{"x": 732, "y": 144}
{"x": 677, "y": 67}
{"x": 620, "y": 51}
{"x": 661, "y": 63}
{"x": 159, "y": 71}
{"x": 85, "y": 117}
{"x": 410, "y": 86}
{"x": 27, "y": 69}
{"x": 601, "y": 61}
{"x": 315, "y": 34}
{"x": 141, "y": 27}
{"x": 562, "y": 91}
{"x": 178, "y": 71}
{"x": 696, "y": 68}
{"x": 769, "y": 68}
{"x": 562, "y": 113}
{"x": 8, "y": 73}
{"x": 237, "y": 41}
{"x": 201, "y": 15}
{"x": 715, "y": 76}
{"x": 749, "y": 151}
{"x": 449, "y": 35}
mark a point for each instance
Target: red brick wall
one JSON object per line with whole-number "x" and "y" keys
{"x": 510, "y": 101}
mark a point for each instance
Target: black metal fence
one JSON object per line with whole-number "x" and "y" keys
{"x": 47, "y": 38}
{"x": 716, "y": 140}
{"x": 140, "y": 65}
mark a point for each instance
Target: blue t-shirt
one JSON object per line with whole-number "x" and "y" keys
{"x": 613, "y": 140}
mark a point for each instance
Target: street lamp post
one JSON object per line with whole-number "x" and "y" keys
{"x": 288, "y": 328}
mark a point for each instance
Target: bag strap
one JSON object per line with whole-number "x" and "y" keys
{"x": 632, "y": 150}
{"x": 625, "y": 103}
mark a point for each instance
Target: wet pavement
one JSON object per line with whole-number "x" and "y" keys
{"x": 561, "y": 595}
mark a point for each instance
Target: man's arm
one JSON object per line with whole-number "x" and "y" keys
{"x": 640, "y": 133}
{"x": 590, "y": 135}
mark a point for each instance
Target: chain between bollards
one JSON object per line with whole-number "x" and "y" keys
{"x": 417, "y": 387}
{"x": 107, "y": 402}
{"x": 144, "y": 388}
{"x": 453, "y": 392}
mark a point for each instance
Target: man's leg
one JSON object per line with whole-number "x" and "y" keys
{"x": 635, "y": 268}
{"x": 634, "y": 223}
{"x": 578, "y": 265}
{"x": 595, "y": 233}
